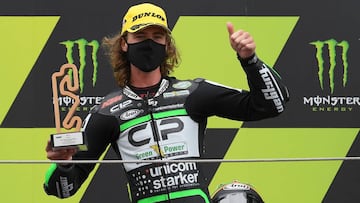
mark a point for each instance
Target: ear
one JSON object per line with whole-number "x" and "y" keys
{"x": 123, "y": 44}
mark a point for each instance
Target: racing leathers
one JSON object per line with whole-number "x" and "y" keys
{"x": 168, "y": 125}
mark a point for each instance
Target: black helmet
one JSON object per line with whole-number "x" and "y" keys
{"x": 236, "y": 192}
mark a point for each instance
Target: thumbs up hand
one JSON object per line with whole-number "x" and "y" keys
{"x": 241, "y": 41}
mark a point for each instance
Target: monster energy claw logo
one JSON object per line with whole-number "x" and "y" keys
{"x": 82, "y": 44}
{"x": 332, "y": 44}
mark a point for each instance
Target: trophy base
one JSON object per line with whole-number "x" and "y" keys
{"x": 70, "y": 140}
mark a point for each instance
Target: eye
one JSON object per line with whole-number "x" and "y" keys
{"x": 139, "y": 36}
{"x": 159, "y": 37}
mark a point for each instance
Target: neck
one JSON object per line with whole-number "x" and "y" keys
{"x": 142, "y": 79}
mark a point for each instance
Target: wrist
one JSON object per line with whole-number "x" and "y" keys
{"x": 249, "y": 60}
{"x": 65, "y": 166}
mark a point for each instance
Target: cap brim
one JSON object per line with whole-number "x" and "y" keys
{"x": 139, "y": 27}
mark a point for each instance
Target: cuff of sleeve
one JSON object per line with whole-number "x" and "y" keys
{"x": 248, "y": 61}
{"x": 66, "y": 167}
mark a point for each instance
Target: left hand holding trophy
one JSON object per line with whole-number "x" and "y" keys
{"x": 67, "y": 140}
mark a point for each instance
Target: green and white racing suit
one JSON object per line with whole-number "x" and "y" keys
{"x": 167, "y": 125}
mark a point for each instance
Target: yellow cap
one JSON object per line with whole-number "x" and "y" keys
{"x": 142, "y": 15}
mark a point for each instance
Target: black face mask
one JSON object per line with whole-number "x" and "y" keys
{"x": 146, "y": 55}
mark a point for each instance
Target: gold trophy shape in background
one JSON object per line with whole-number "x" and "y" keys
{"x": 67, "y": 87}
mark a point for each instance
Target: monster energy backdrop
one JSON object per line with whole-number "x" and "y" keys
{"x": 314, "y": 45}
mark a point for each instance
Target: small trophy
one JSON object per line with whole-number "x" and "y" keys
{"x": 68, "y": 139}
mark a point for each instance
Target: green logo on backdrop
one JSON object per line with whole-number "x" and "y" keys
{"x": 332, "y": 46}
{"x": 82, "y": 46}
